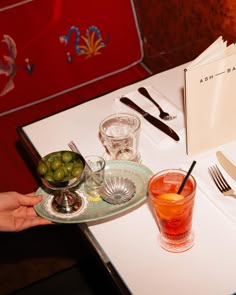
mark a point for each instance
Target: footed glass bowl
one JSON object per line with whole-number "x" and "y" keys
{"x": 61, "y": 172}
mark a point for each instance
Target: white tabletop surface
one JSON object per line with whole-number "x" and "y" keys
{"x": 131, "y": 240}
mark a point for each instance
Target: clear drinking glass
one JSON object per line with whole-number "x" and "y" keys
{"x": 94, "y": 175}
{"x": 173, "y": 212}
{"x": 119, "y": 134}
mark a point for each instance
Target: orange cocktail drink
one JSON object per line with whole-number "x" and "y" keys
{"x": 173, "y": 211}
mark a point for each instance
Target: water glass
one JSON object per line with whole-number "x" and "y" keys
{"x": 119, "y": 134}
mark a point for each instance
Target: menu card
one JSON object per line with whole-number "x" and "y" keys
{"x": 210, "y": 98}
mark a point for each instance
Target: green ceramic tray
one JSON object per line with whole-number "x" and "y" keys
{"x": 96, "y": 209}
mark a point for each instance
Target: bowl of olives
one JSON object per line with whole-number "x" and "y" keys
{"x": 60, "y": 172}
{"x": 62, "y": 168}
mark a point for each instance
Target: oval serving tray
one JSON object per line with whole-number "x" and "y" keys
{"x": 99, "y": 209}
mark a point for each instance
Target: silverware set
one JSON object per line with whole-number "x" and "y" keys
{"x": 218, "y": 178}
{"x": 151, "y": 119}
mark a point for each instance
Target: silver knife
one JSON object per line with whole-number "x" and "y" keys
{"x": 229, "y": 167}
{"x": 153, "y": 120}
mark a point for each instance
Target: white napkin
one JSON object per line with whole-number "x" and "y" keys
{"x": 156, "y": 135}
{"x": 226, "y": 204}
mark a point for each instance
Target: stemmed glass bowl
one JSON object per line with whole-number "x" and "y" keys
{"x": 61, "y": 172}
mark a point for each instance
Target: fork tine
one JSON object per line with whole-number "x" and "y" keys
{"x": 219, "y": 179}
{"x": 222, "y": 179}
{"x": 212, "y": 174}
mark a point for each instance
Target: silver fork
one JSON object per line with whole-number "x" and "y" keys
{"x": 163, "y": 115}
{"x": 220, "y": 181}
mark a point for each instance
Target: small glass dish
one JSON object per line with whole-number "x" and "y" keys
{"x": 117, "y": 190}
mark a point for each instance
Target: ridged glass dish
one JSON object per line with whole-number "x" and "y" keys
{"x": 117, "y": 190}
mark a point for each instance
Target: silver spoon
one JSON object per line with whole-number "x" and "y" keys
{"x": 74, "y": 148}
{"x": 163, "y": 115}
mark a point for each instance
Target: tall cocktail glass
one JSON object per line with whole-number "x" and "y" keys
{"x": 173, "y": 211}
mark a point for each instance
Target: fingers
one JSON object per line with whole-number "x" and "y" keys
{"x": 31, "y": 194}
{"x": 28, "y": 200}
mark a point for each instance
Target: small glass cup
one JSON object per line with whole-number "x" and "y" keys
{"x": 119, "y": 134}
{"x": 173, "y": 212}
{"x": 94, "y": 175}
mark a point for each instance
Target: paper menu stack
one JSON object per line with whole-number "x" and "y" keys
{"x": 210, "y": 98}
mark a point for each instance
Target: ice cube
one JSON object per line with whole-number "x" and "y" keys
{"x": 173, "y": 178}
{"x": 117, "y": 130}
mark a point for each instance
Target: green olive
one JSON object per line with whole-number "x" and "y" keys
{"x": 67, "y": 157}
{"x": 42, "y": 168}
{"x": 58, "y": 174}
{"x": 50, "y": 157}
{"x": 69, "y": 166}
{"x": 77, "y": 171}
{"x": 56, "y": 164}
{"x": 49, "y": 174}
{"x": 49, "y": 177}
{"x": 66, "y": 172}
{"x": 78, "y": 163}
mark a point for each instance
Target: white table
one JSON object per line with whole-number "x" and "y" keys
{"x": 130, "y": 241}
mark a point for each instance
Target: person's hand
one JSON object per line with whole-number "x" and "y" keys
{"x": 17, "y": 212}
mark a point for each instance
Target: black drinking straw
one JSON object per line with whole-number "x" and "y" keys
{"x": 186, "y": 177}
